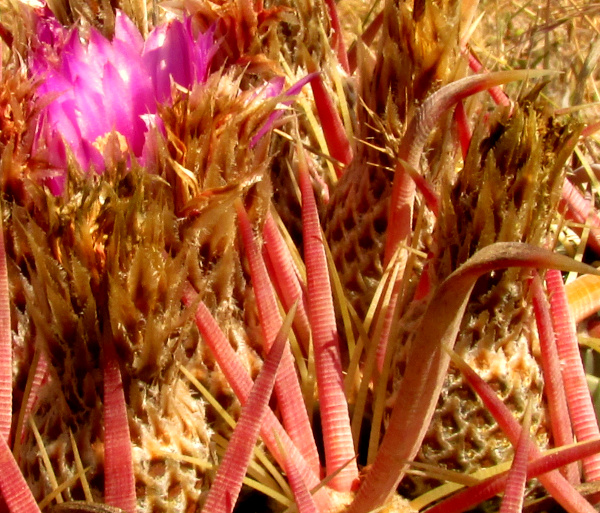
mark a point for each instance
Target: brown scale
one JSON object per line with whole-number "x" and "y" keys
{"x": 109, "y": 260}
{"x": 508, "y": 191}
{"x": 414, "y": 58}
{"x": 17, "y": 115}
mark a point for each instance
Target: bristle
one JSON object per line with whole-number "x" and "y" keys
{"x": 337, "y": 436}
{"x": 228, "y": 482}
{"x": 562, "y": 431}
{"x": 287, "y": 387}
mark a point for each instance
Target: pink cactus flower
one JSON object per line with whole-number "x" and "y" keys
{"x": 96, "y": 88}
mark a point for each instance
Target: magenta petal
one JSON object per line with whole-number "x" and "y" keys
{"x": 74, "y": 57}
{"x": 62, "y": 118}
{"x": 274, "y": 88}
{"x": 92, "y": 156}
{"x": 154, "y": 64}
{"x": 127, "y": 33}
{"x": 125, "y": 118}
{"x": 56, "y": 184}
{"x": 297, "y": 87}
{"x": 205, "y": 49}
{"x": 99, "y": 49}
{"x": 174, "y": 60}
{"x": 92, "y": 115}
{"x": 171, "y": 52}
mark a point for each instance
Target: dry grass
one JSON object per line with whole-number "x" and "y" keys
{"x": 562, "y": 35}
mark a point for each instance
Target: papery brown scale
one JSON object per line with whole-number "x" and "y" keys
{"x": 148, "y": 330}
